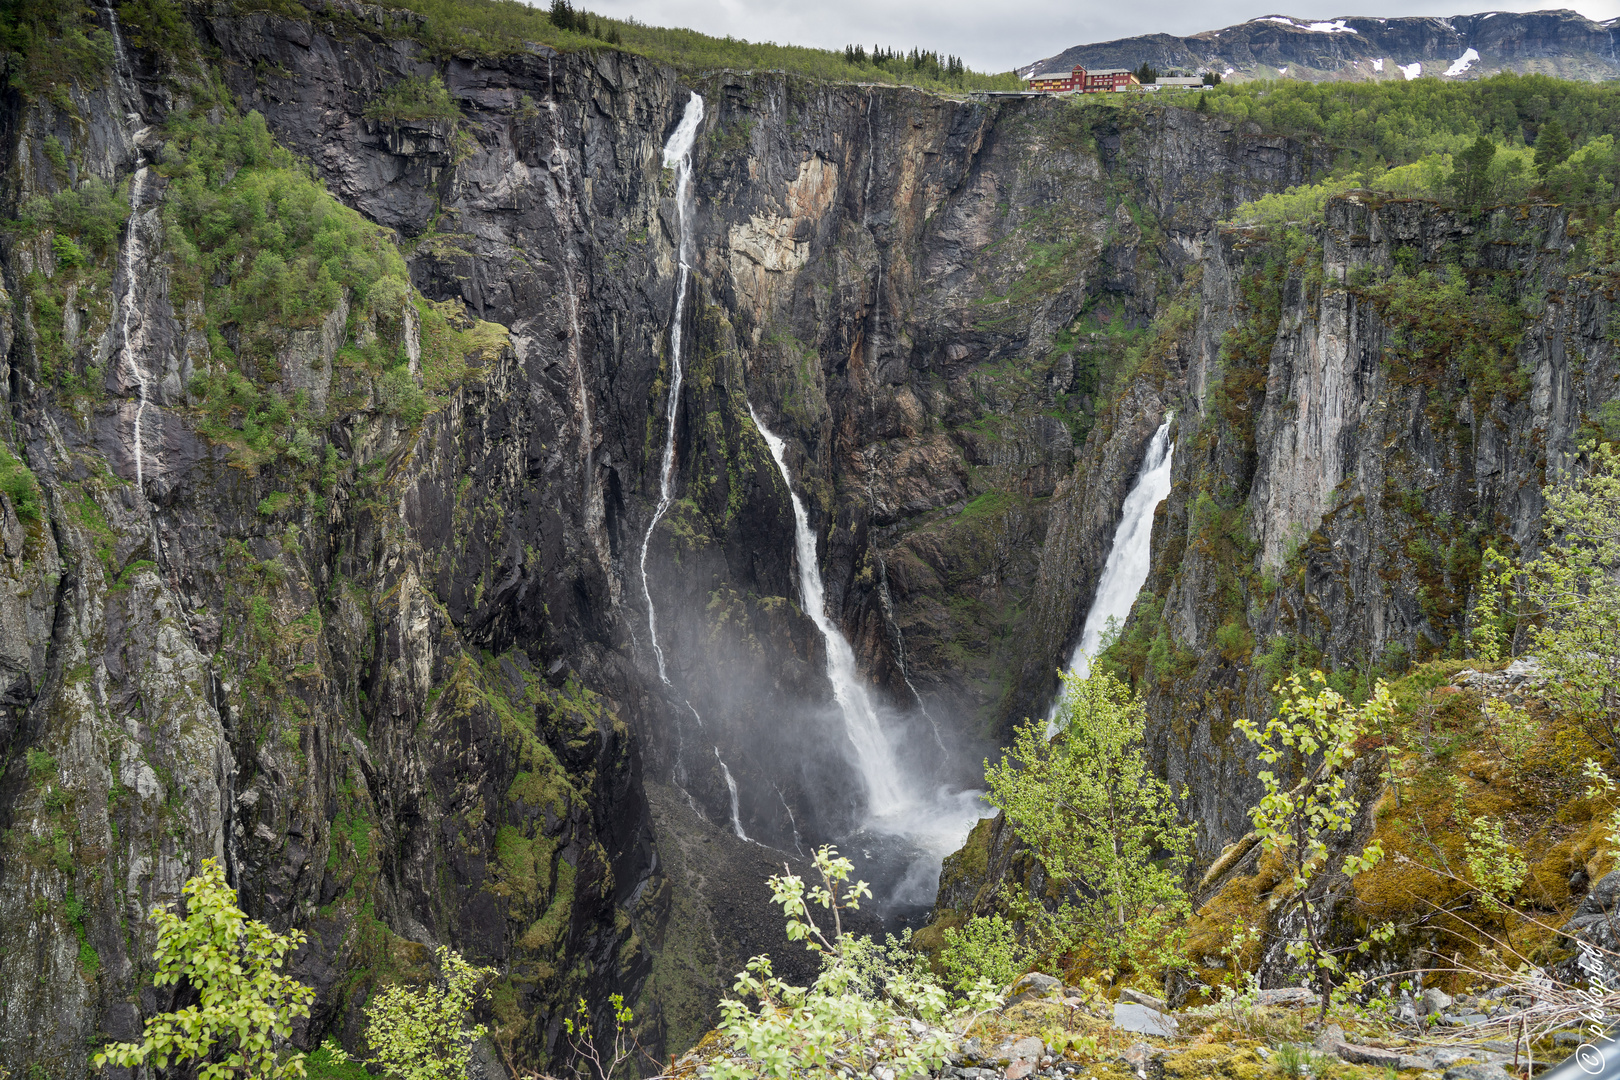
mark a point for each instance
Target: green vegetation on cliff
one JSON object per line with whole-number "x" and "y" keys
{"x": 1474, "y": 144}
{"x": 453, "y": 27}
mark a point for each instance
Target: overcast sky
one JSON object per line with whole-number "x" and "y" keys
{"x": 996, "y": 35}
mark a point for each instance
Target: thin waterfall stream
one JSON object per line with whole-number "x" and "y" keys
{"x": 130, "y": 329}
{"x": 677, "y": 156}
{"x": 132, "y": 354}
{"x": 1128, "y": 559}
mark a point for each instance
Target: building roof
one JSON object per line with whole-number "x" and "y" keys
{"x": 1111, "y": 71}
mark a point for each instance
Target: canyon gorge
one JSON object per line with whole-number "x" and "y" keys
{"x": 743, "y": 465}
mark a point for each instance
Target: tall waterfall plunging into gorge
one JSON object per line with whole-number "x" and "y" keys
{"x": 874, "y": 754}
{"x": 677, "y": 156}
{"x": 1127, "y": 565}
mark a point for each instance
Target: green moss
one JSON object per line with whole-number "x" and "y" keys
{"x": 320, "y": 1065}
{"x": 274, "y": 504}
{"x": 547, "y": 931}
{"x": 41, "y": 767}
{"x": 524, "y": 865}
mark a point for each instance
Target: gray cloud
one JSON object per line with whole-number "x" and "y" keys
{"x": 997, "y": 37}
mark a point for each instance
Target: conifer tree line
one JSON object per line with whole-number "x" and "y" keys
{"x": 925, "y": 61}
{"x": 565, "y": 17}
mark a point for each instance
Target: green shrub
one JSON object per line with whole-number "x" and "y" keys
{"x": 18, "y": 482}
{"x": 41, "y": 767}
{"x": 55, "y": 154}
{"x": 858, "y": 1015}
{"x": 93, "y": 214}
{"x": 426, "y": 1033}
{"x": 986, "y": 947}
{"x": 400, "y": 397}
{"x": 50, "y": 46}
{"x": 274, "y": 503}
{"x": 414, "y": 98}
{"x": 69, "y": 256}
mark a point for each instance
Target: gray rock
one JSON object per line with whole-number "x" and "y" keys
{"x": 1481, "y": 1071}
{"x": 1369, "y": 1055}
{"x": 1148, "y": 1000}
{"x": 1329, "y": 1039}
{"x": 1143, "y": 1059}
{"x": 1028, "y": 1047}
{"x": 1463, "y": 1019}
{"x": 1129, "y": 1016}
{"x": 1036, "y": 983}
{"x": 1433, "y": 1000}
{"x": 1288, "y": 995}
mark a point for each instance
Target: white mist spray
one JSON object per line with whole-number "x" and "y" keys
{"x": 1128, "y": 560}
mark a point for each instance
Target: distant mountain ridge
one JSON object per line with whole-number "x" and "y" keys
{"x": 1562, "y": 43}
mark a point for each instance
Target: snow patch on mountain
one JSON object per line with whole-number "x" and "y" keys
{"x": 1462, "y": 63}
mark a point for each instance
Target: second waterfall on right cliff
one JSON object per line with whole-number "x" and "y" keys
{"x": 1128, "y": 559}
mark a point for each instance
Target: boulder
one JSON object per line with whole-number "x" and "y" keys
{"x": 1140, "y": 998}
{"x": 1288, "y": 995}
{"x": 1596, "y": 923}
{"x": 1029, "y": 1047}
{"x": 1036, "y": 984}
{"x": 1433, "y": 1000}
{"x": 1478, "y": 1071}
{"x": 1129, "y": 1016}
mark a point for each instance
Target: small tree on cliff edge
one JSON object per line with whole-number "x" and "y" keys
{"x": 1566, "y": 601}
{"x": 1297, "y": 821}
{"x": 1105, "y": 829}
{"x": 423, "y": 1033}
{"x": 233, "y": 964}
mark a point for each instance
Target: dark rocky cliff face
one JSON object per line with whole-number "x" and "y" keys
{"x": 1349, "y": 440}
{"x": 1351, "y": 449}
{"x": 1562, "y": 43}
{"x": 412, "y": 699}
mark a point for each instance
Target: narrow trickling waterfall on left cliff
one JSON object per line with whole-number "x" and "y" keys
{"x": 455, "y": 595}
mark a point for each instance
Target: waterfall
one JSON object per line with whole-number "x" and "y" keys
{"x": 731, "y": 787}
{"x": 874, "y": 756}
{"x": 133, "y": 253}
{"x": 1127, "y": 565}
{"x": 132, "y": 356}
{"x": 677, "y": 156}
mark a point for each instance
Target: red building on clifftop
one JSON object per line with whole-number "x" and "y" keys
{"x": 1079, "y": 80}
